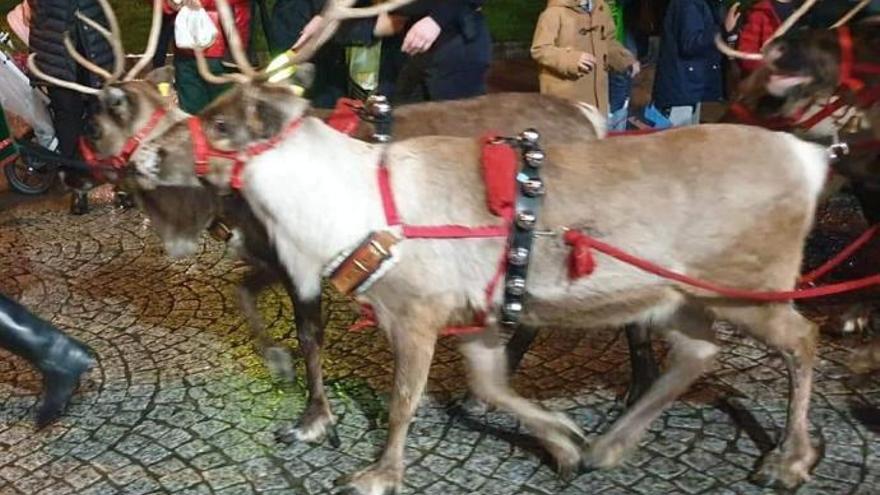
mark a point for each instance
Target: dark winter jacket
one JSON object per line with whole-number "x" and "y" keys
{"x": 689, "y": 65}
{"x": 51, "y": 19}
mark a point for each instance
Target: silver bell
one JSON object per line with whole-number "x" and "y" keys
{"x": 526, "y": 220}
{"x": 512, "y": 311}
{"x": 382, "y": 138}
{"x": 518, "y": 256}
{"x": 516, "y": 286}
{"x": 530, "y": 136}
{"x": 533, "y": 187}
{"x": 534, "y": 158}
{"x": 378, "y": 105}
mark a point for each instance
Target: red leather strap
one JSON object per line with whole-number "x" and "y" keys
{"x": 847, "y": 62}
{"x": 200, "y": 145}
{"x": 345, "y": 118}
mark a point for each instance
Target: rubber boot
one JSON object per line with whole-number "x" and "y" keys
{"x": 60, "y": 359}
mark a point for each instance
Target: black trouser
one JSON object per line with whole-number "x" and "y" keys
{"x": 68, "y": 115}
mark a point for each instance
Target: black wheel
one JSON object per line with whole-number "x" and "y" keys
{"x": 30, "y": 175}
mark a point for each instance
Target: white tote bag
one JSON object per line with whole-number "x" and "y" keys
{"x": 193, "y": 28}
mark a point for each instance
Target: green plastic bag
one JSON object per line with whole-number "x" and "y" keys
{"x": 363, "y": 66}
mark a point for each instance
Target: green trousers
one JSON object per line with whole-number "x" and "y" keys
{"x": 194, "y": 92}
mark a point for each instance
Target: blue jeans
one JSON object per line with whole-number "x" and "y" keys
{"x": 619, "y": 90}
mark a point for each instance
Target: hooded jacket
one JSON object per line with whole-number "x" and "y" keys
{"x": 565, "y": 32}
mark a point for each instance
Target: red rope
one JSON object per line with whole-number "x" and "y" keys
{"x": 731, "y": 292}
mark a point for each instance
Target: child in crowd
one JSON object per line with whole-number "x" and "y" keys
{"x": 575, "y": 46}
{"x": 761, "y": 21}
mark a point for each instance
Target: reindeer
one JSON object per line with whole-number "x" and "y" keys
{"x": 634, "y": 192}
{"x": 180, "y": 215}
{"x": 807, "y": 86}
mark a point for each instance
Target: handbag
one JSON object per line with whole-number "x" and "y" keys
{"x": 194, "y": 28}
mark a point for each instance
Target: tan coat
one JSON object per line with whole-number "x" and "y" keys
{"x": 563, "y": 33}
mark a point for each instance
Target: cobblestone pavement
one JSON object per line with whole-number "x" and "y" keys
{"x": 179, "y": 403}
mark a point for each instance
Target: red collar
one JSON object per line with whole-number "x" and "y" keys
{"x": 121, "y": 159}
{"x": 203, "y": 150}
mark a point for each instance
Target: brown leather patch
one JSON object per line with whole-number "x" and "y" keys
{"x": 364, "y": 261}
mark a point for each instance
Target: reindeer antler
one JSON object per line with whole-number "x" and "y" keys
{"x": 726, "y": 49}
{"x": 852, "y": 12}
{"x": 61, "y": 83}
{"x": 152, "y": 42}
{"x": 792, "y": 20}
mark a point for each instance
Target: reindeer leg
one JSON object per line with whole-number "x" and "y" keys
{"x": 413, "y": 345}
{"x": 643, "y": 366}
{"x": 692, "y": 354}
{"x": 277, "y": 357}
{"x": 865, "y": 359}
{"x": 488, "y": 377}
{"x": 317, "y": 421}
{"x": 782, "y": 328}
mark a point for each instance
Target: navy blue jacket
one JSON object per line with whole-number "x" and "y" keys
{"x": 689, "y": 65}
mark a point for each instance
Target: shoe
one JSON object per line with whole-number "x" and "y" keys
{"x": 61, "y": 359}
{"x": 79, "y": 204}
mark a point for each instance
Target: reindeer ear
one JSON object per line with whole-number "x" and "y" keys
{"x": 304, "y": 75}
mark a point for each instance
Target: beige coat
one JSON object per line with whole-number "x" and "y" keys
{"x": 563, "y": 33}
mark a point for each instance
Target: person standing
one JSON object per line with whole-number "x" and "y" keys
{"x": 51, "y": 20}
{"x": 761, "y": 21}
{"x": 194, "y": 93}
{"x": 689, "y": 68}
{"x": 449, "y": 50}
{"x": 575, "y": 46}
{"x": 61, "y": 360}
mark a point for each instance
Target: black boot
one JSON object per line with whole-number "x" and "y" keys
{"x": 79, "y": 204}
{"x": 61, "y": 359}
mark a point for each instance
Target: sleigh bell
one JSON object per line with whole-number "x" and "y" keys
{"x": 530, "y": 136}
{"x": 526, "y": 220}
{"x": 512, "y": 312}
{"x": 518, "y": 256}
{"x": 534, "y": 158}
{"x": 378, "y": 105}
{"x": 516, "y": 286}
{"x": 533, "y": 187}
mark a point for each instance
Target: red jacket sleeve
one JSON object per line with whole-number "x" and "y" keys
{"x": 755, "y": 31}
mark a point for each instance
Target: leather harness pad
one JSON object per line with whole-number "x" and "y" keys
{"x": 363, "y": 262}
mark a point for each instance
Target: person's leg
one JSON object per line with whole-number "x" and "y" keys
{"x": 61, "y": 359}
{"x": 67, "y": 116}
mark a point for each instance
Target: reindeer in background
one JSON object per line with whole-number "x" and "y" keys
{"x": 641, "y": 200}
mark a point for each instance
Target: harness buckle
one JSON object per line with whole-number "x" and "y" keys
{"x": 838, "y": 150}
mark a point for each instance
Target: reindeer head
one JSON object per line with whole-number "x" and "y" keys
{"x": 802, "y": 63}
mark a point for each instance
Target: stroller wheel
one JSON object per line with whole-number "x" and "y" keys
{"x": 29, "y": 176}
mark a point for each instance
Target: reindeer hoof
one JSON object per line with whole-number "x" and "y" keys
{"x": 604, "y": 454}
{"x": 374, "y": 480}
{"x": 788, "y": 471}
{"x": 468, "y": 406}
{"x": 313, "y": 431}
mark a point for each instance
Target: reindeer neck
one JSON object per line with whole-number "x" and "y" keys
{"x": 317, "y": 195}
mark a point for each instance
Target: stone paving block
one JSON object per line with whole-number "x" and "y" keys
{"x": 180, "y": 403}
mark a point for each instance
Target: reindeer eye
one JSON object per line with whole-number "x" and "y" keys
{"x": 220, "y": 125}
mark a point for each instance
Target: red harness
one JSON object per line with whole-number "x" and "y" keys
{"x": 203, "y": 150}
{"x": 120, "y": 160}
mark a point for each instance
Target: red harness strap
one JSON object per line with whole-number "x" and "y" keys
{"x": 584, "y": 242}
{"x": 131, "y": 145}
{"x": 345, "y": 118}
{"x": 203, "y": 150}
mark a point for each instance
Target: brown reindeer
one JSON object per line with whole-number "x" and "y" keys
{"x": 181, "y": 215}
{"x": 639, "y": 193}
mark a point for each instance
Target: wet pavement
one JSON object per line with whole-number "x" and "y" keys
{"x": 179, "y": 402}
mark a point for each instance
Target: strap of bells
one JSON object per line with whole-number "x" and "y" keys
{"x": 377, "y": 110}
{"x": 529, "y": 191}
